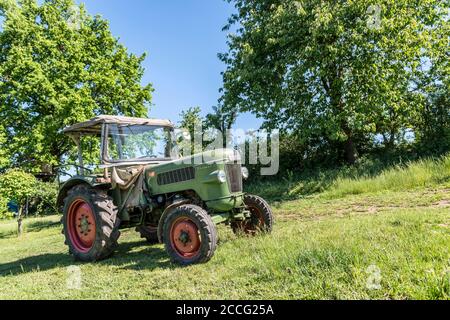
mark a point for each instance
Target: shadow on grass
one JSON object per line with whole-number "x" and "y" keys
{"x": 149, "y": 258}
{"x": 37, "y": 226}
{"x": 34, "y": 226}
{"x": 41, "y": 262}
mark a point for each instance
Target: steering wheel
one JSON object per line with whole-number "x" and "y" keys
{"x": 58, "y": 168}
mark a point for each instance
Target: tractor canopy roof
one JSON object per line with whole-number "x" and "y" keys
{"x": 94, "y": 126}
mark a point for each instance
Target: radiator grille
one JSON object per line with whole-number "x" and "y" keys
{"x": 234, "y": 177}
{"x": 179, "y": 175}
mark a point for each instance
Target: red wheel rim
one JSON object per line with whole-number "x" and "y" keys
{"x": 81, "y": 225}
{"x": 185, "y": 237}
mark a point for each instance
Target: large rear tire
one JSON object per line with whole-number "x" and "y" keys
{"x": 261, "y": 217}
{"x": 90, "y": 224}
{"x": 189, "y": 235}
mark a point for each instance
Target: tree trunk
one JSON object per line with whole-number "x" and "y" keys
{"x": 19, "y": 221}
{"x": 350, "y": 151}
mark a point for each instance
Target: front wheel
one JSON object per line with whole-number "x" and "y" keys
{"x": 260, "y": 220}
{"x": 189, "y": 235}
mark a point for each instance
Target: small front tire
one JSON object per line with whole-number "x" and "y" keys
{"x": 189, "y": 235}
{"x": 260, "y": 220}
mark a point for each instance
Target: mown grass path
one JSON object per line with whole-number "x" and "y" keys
{"x": 387, "y": 245}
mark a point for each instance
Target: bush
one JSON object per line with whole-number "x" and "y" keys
{"x": 18, "y": 185}
{"x": 44, "y": 199}
{"x": 4, "y": 208}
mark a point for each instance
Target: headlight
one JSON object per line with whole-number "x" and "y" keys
{"x": 221, "y": 176}
{"x": 244, "y": 172}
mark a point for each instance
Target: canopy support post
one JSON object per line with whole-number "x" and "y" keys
{"x": 77, "y": 140}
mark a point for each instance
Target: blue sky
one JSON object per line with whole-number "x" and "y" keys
{"x": 182, "y": 39}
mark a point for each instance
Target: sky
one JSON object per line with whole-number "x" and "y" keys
{"x": 182, "y": 39}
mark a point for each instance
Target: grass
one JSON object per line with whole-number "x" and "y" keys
{"x": 351, "y": 241}
{"x": 365, "y": 177}
{"x": 423, "y": 173}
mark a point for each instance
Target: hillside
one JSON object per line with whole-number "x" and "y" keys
{"x": 375, "y": 237}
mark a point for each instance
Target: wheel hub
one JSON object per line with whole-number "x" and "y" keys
{"x": 185, "y": 237}
{"x": 84, "y": 225}
{"x": 254, "y": 223}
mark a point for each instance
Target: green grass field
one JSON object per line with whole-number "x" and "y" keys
{"x": 382, "y": 237}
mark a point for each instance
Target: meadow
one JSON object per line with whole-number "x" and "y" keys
{"x": 382, "y": 236}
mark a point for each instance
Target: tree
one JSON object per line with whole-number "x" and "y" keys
{"x": 433, "y": 123}
{"x": 434, "y": 126}
{"x": 3, "y": 154}
{"x": 221, "y": 120}
{"x": 59, "y": 66}
{"x": 19, "y": 186}
{"x": 331, "y": 70}
{"x": 192, "y": 123}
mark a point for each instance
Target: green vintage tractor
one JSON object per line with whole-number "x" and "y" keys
{"x": 141, "y": 182}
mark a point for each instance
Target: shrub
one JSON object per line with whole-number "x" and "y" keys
{"x": 4, "y": 208}
{"x": 18, "y": 185}
{"x": 44, "y": 198}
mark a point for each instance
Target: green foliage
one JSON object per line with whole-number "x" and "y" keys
{"x": 336, "y": 72}
{"x": 221, "y": 118}
{"x": 4, "y": 208}
{"x": 214, "y": 125}
{"x": 134, "y": 142}
{"x": 191, "y": 119}
{"x": 44, "y": 199}
{"x": 17, "y": 185}
{"x": 59, "y": 66}
{"x": 3, "y": 154}
{"x": 434, "y": 134}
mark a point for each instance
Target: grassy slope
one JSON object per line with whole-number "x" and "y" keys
{"x": 321, "y": 247}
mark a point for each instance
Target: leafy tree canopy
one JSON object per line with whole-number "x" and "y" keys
{"x": 59, "y": 66}
{"x": 335, "y": 70}
{"x": 17, "y": 185}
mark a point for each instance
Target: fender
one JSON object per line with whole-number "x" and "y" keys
{"x": 167, "y": 210}
{"x": 74, "y": 181}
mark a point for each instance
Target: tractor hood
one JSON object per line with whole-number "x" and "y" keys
{"x": 217, "y": 155}
{"x": 215, "y": 176}
{"x": 206, "y": 157}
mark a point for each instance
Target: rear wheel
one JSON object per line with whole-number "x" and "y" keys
{"x": 189, "y": 235}
{"x": 90, "y": 224}
{"x": 260, "y": 220}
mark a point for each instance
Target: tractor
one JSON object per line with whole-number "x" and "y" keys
{"x": 142, "y": 182}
